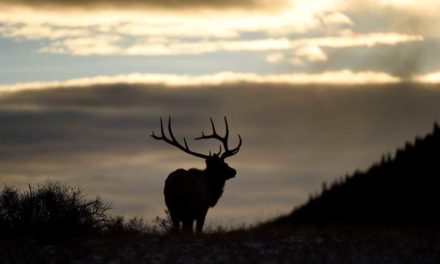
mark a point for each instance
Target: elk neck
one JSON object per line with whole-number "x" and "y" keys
{"x": 216, "y": 184}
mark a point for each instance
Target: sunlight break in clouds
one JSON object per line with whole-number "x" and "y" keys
{"x": 311, "y": 53}
{"x": 153, "y": 32}
{"x": 110, "y": 45}
{"x": 310, "y": 48}
{"x": 433, "y": 78}
{"x": 138, "y": 21}
{"x": 296, "y": 36}
{"x": 341, "y": 78}
{"x": 275, "y": 58}
{"x": 350, "y": 39}
{"x": 157, "y": 33}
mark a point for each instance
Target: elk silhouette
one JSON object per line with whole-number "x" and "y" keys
{"x": 190, "y": 193}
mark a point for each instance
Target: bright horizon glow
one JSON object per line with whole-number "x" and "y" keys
{"x": 344, "y": 77}
{"x": 431, "y": 78}
{"x": 339, "y": 78}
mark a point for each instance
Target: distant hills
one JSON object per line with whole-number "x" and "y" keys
{"x": 400, "y": 189}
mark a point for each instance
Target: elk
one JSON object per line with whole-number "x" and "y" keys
{"x": 190, "y": 193}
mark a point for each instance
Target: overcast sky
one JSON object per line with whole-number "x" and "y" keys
{"x": 315, "y": 88}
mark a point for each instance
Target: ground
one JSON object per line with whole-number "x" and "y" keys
{"x": 282, "y": 245}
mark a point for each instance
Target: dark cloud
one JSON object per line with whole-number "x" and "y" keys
{"x": 295, "y": 137}
{"x": 163, "y": 4}
{"x": 75, "y": 120}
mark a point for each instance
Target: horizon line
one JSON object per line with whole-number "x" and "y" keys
{"x": 342, "y": 78}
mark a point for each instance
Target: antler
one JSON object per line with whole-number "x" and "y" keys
{"x": 224, "y": 140}
{"x": 174, "y": 142}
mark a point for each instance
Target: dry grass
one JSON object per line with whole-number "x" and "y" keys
{"x": 116, "y": 240}
{"x": 277, "y": 245}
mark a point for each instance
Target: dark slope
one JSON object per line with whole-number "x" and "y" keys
{"x": 404, "y": 189}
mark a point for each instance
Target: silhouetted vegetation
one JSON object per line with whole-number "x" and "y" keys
{"x": 165, "y": 224}
{"x": 50, "y": 211}
{"x": 403, "y": 189}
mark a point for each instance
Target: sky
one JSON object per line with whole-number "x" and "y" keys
{"x": 316, "y": 89}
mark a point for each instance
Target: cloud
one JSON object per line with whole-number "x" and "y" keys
{"x": 275, "y": 58}
{"x": 97, "y": 137}
{"x": 108, "y": 44}
{"x": 337, "y": 18}
{"x": 167, "y": 33}
{"x": 311, "y": 52}
{"x": 180, "y": 48}
{"x": 38, "y": 32}
{"x": 163, "y": 4}
{"x": 152, "y": 33}
{"x": 96, "y": 45}
{"x": 433, "y": 77}
{"x": 345, "y": 77}
{"x": 406, "y": 60}
{"x": 405, "y": 16}
{"x": 350, "y": 39}
{"x": 288, "y": 20}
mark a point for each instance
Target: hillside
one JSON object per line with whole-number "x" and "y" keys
{"x": 403, "y": 189}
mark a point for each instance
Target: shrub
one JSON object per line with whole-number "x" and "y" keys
{"x": 164, "y": 223}
{"x": 50, "y": 211}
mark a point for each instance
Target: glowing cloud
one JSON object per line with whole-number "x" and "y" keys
{"x": 350, "y": 39}
{"x": 344, "y": 77}
{"x": 275, "y": 58}
{"x": 308, "y": 48}
{"x": 432, "y": 78}
{"x": 337, "y": 18}
{"x": 311, "y": 53}
{"x": 146, "y": 32}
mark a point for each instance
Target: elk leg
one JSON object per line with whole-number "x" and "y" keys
{"x": 201, "y": 222}
{"x": 176, "y": 223}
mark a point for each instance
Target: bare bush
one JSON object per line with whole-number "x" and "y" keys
{"x": 49, "y": 211}
{"x": 164, "y": 223}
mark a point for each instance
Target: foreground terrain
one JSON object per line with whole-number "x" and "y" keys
{"x": 275, "y": 245}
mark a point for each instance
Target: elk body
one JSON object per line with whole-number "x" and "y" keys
{"x": 190, "y": 193}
